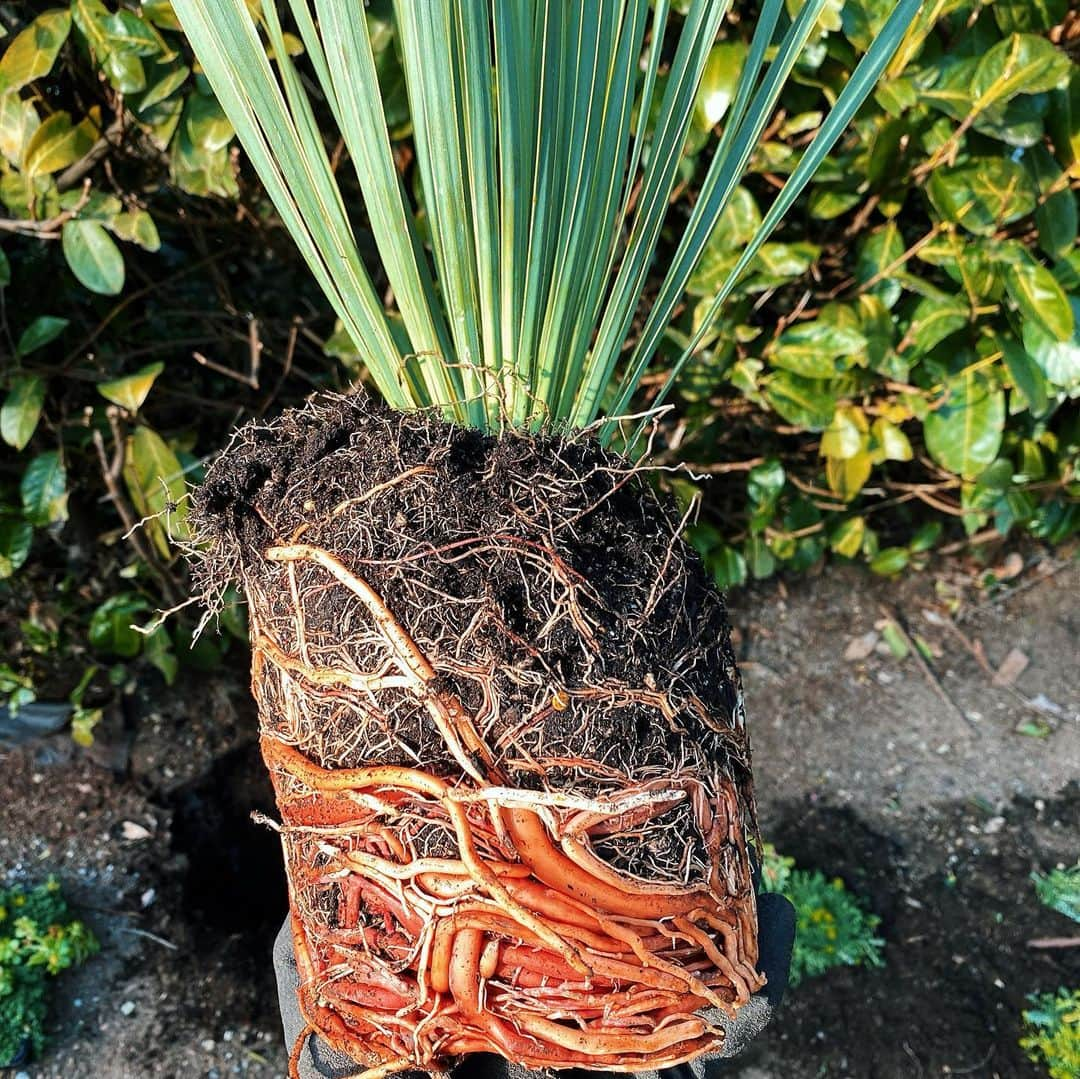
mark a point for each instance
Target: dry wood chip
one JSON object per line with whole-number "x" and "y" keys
{"x": 1012, "y": 666}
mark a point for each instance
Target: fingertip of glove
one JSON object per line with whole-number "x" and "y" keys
{"x": 776, "y": 937}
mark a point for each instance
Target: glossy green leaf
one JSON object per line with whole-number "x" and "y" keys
{"x": 1059, "y": 360}
{"x": 720, "y": 81}
{"x": 157, "y": 648}
{"x": 33, "y": 52}
{"x": 926, "y": 538}
{"x": 130, "y": 391}
{"x": 16, "y": 537}
{"x": 112, "y": 625}
{"x": 161, "y": 14}
{"x": 888, "y": 562}
{"x": 1057, "y": 216}
{"x": 93, "y": 257}
{"x": 728, "y": 566}
{"x": 125, "y": 71}
{"x": 162, "y": 81}
{"x": 155, "y": 482}
{"x": 816, "y": 349}
{"x": 1040, "y": 298}
{"x": 827, "y": 203}
{"x": 805, "y": 402}
{"x": 1029, "y": 15}
{"x": 44, "y": 489}
{"x": 983, "y": 194}
{"x": 936, "y": 318}
{"x": 964, "y": 433}
{"x": 21, "y": 410}
{"x": 206, "y": 123}
{"x": 40, "y": 332}
{"x": 765, "y": 482}
{"x": 879, "y": 257}
{"x": 129, "y": 33}
{"x": 1027, "y": 376}
{"x": 759, "y": 559}
{"x": 1021, "y": 64}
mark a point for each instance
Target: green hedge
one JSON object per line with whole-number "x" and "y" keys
{"x": 899, "y": 370}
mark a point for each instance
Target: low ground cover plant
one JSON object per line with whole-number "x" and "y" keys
{"x": 832, "y": 928}
{"x": 38, "y": 940}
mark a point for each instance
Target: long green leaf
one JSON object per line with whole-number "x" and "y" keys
{"x": 544, "y": 197}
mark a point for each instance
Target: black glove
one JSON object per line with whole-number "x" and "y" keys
{"x": 776, "y": 935}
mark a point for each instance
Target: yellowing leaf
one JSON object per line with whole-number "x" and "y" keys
{"x": 22, "y": 410}
{"x": 847, "y": 540}
{"x": 155, "y": 482}
{"x": 18, "y": 122}
{"x": 847, "y": 476}
{"x": 890, "y": 443}
{"x": 33, "y": 53}
{"x": 846, "y": 435}
{"x": 130, "y": 391}
{"x": 57, "y": 144}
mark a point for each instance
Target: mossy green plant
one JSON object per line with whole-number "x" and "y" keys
{"x": 832, "y": 928}
{"x": 38, "y": 939}
{"x": 1060, "y": 890}
{"x": 1052, "y": 1033}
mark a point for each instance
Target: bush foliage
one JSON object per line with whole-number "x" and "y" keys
{"x": 901, "y": 366}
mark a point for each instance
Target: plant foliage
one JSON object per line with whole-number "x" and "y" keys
{"x": 1060, "y": 890}
{"x": 531, "y": 124}
{"x": 831, "y": 927}
{"x": 891, "y": 371}
{"x": 38, "y": 940}
{"x": 1052, "y": 1036}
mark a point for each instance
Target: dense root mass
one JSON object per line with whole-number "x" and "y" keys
{"x": 502, "y": 716}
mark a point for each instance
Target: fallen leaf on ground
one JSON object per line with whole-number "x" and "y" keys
{"x": 860, "y": 647}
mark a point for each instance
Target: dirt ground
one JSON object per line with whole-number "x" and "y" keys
{"x": 931, "y": 791}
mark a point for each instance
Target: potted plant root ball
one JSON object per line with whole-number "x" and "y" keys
{"x": 500, "y": 709}
{"x": 496, "y": 690}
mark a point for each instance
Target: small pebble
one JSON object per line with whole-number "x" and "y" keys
{"x": 994, "y": 825}
{"x": 127, "y": 1008}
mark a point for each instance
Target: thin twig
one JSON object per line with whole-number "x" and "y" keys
{"x": 112, "y": 471}
{"x": 928, "y": 672}
{"x": 149, "y": 936}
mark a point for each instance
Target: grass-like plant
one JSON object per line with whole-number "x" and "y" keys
{"x": 497, "y": 692}
{"x": 548, "y": 138}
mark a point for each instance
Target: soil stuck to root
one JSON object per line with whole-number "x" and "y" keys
{"x": 517, "y": 615}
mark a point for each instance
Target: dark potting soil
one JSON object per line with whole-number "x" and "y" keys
{"x": 542, "y": 577}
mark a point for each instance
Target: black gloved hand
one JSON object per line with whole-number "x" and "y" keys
{"x": 776, "y": 935}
